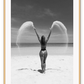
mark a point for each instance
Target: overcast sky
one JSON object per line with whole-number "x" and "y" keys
{"x": 42, "y": 13}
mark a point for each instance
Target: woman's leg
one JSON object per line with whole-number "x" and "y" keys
{"x": 41, "y": 58}
{"x": 44, "y": 61}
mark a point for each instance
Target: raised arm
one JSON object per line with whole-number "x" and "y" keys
{"x": 49, "y": 35}
{"x": 37, "y": 34}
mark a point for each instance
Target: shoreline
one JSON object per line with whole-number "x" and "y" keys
{"x": 35, "y": 51}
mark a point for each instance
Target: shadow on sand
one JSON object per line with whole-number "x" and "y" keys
{"x": 39, "y": 70}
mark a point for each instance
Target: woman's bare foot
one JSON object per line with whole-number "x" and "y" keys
{"x": 43, "y": 68}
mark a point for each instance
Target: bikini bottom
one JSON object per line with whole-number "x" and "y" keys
{"x": 43, "y": 55}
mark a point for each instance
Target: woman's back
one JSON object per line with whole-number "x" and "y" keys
{"x": 43, "y": 43}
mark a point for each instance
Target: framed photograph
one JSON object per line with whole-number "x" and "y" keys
{"x": 41, "y": 41}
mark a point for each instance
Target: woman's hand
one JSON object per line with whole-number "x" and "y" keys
{"x": 34, "y": 28}
{"x": 51, "y": 29}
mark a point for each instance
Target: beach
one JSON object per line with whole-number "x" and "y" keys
{"x": 26, "y": 66}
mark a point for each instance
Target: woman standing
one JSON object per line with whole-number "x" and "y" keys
{"x": 43, "y": 52}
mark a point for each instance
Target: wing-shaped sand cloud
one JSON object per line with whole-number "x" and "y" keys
{"x": 29, "y": 35}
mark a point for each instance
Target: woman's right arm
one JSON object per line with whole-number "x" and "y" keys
{"x": 37, "y": 34}
{"x": 49, "y": 35}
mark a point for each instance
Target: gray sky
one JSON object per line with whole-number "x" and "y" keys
{"x": 42, "y": 13}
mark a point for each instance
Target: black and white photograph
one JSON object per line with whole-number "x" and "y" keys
{"x": 42, "y": 41}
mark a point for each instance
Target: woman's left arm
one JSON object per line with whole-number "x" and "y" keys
{"x": 49, "y": 35}
{"x": 37, "y": 34}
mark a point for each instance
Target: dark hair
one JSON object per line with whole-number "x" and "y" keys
{"x": 43, "y": 40}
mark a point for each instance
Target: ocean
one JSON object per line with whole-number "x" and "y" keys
{"x": 27, "y": 49}
{"x": 38, "y": 44}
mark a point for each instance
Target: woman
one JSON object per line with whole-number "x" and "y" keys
{"x": 43, "y": 52}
